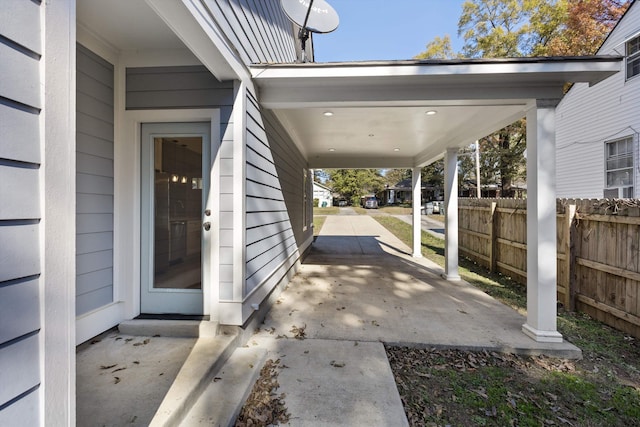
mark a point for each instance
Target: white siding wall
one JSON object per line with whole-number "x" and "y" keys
{"x": 20, "y": 212}
{"x": 589, "y": 116}
{"x": 258, "y": 29}
{"x": 94, "y": 181}
{"x": 276, "y": 230}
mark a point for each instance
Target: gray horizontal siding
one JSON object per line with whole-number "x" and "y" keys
{"x": 20, "y": 80}
{"x": 20, "y": 212}
{"x": 16, "y": 23}
{"x": 24, "y": 412}
{"x": 19, "y": 251}
{"x": 19, "y": 300}
{"x": 258, "y": 29}
{"x": 15, "y": 182}
{"x": 176, "y": 87}
{"x": 274, "y": 196}
{"x": 19, "y": 367}
{"x": 20, "y": 134}
{"x": 94, "y": 181}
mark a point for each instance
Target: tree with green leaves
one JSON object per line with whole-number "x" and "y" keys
{"x": 394, "y": 176}
{"x": 438, "y": 48}
{"x": 516, "y": 28}
{"x": 355, "y": 183}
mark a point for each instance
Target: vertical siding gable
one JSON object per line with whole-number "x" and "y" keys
{"x": 257, "y": 29}
{"x": 94, "y": 181}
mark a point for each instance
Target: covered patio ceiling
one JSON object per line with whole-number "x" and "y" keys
{"x": 404, "y": 114}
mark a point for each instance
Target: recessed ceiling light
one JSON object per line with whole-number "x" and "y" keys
{"x": 332, "y": 149}
{"x": 431, "y": 113}
{"x": 396, "y": 149}
{"x": 328, "y": 113}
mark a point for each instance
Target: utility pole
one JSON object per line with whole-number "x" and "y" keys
{"x": 478, "y": 191}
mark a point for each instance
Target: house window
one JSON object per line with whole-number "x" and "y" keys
{"x": 633, "y": 57}
{"x": 619, "y": 168}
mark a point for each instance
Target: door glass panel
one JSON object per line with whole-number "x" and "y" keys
{"x": 178, "y": 210}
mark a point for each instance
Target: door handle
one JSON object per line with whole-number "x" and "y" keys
{"x": 206, "y": 226}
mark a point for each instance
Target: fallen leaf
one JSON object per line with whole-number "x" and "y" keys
{"x": 117, "y": 380}
{"x": 108, "y": 366}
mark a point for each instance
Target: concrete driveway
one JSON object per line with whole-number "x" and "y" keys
{"x": 359, "y": 288}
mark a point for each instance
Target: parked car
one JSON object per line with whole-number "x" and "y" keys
{"x": 371, "y": 203}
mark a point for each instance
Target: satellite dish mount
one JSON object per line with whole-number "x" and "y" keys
{"x": 303, "y": 33}
{"x": 318, "y": 18}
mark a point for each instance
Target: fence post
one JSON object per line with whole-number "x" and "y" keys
{"x": 570, "y": 258}
{"x": 493, "y": 239}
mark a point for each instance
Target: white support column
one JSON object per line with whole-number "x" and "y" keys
{"x": 451, "y": 215}
{"x": 541, "y": 223}
{"x": 416, "y": 178}
{"x": 58, "y": 225}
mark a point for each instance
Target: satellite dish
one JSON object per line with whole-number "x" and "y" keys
{"x": 315, "y": 16}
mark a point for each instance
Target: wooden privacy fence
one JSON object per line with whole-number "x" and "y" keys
{"x": 598, "y": 257}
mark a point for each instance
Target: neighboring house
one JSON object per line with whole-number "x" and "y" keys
{"x": 323, "y": 194}
{"x": 155, "y": 158}
{"x": 597, "y": 127}
{"x": 402, "y": 193}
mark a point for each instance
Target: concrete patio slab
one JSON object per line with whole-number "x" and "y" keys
{"x": 121, "y": 379}
{"x": 335, "y": 383}
{"x": 357, "y": 290}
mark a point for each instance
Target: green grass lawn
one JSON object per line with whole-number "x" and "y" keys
{"x": 440, "y": 387}
{"x": 334, "y": 210}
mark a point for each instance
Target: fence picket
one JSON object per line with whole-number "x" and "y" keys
{"x": 598, "y": 252}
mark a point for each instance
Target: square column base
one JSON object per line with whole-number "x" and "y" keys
{"x": 416, "y": 255}
{"x": 451, "y": 277}
{"x": 541, "y": 336}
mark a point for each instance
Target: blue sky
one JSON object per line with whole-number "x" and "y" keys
{"x": 387, "y": 29}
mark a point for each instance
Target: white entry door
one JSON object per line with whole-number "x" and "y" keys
{"x": 175, "y": 217}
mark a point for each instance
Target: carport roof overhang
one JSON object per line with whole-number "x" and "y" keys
{"x": 380, "y": 109}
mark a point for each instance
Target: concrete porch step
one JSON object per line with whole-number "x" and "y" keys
{"x": 222, "y": 400}
{"x": 170, "y": 328}
{"x": 207, "y": 357}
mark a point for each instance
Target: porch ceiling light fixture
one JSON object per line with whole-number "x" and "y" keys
{"x": 396, "y": 149}
{"x": 328, "y": 113}
{"x": 431, "y": 113}
{"x": 332, "y": 150}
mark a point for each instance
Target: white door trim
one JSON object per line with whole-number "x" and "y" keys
{"x": 127, "y": 204}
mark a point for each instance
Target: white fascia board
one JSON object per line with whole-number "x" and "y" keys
{"x": 579, "y": 70}
{"x": 192, "y": 24}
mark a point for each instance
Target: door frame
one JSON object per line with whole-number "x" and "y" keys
{"x": 127, "y": 206}
{"x": 172, "y": 300}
